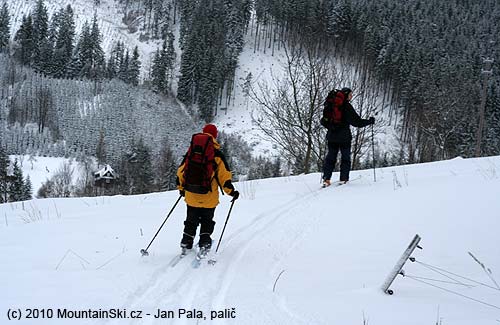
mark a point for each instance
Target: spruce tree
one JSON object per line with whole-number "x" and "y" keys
{"x": 137, "y": 169}
{"x": 16, "y": 186}
{"x": 89, "y": 61}
{"x": 115, "y": 60}
{"x": 143, "y": 176}
{"x": 159, "y": 72}
{"x": 166, "y": 169}
{"x": 23, "y": 50}
{"x": 4, "y": 28}
{"x": 64, "y": 42}
{"x": 123, "y": 72}
{"x": 81, "y": 61}
{"x": 42, "y": 51}
{"x": 4, "y": 184}
{"x": 27, "y": 190}
{"x": 98, "y": 61}
{"x": 170, "y": 57}
{"x": 134, "y": 68}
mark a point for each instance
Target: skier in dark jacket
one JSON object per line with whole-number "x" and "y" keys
{"x": 339, "y": 139}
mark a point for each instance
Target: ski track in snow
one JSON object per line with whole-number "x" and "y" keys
{"x": 275, "y": 233}
{"x": 190, "y": 288}
{"x": 206, "y": 288}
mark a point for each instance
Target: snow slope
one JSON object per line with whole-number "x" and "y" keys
{"x": 40, "y": 169}
{"x": 291, "y": 254}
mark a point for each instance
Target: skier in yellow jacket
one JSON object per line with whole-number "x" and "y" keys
{"x": 201, "y": 206}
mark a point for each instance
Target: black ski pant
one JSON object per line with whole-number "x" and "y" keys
{"x": 195, "y": 217}
{"x": 331, "y": 158}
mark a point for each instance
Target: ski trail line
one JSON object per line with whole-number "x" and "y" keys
{"x": 260, "y": 225}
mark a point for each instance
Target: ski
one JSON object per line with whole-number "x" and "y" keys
{"x": 340, "y": 183}
{"x": 179, "y": 257}
{"x": 200, "y": 256}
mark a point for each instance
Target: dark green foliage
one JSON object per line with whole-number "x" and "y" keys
{"x": 23, "y": 49}
{"x": 211, "y": 40}
{"x": 427, "y": 55}
{"x": 4, "y": 28}
{"x": 163, "y": 66}
{"x": 4, "y": 183}
{"x": 262, "y": 167}
{"x": 134, "y": 68}
{"x": 64, "y": 35}
{"x": 166, "y": 169}
{"x": 27, "y": 190}
{"x": 42, "y": 50}
{"x": 237, "y": 151}
{"x": 136, "y": 170}
{"x": 16, "y": 184}
{"x": 89, "y": 61}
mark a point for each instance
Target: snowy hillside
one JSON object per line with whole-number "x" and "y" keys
{"x": 291, "y": 254}
{"x": 40, "y": 169}
{"x": 109, "y": 18}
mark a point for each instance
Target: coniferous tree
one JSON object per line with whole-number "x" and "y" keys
{"x": 27, "y": 190}
{"x": 137, "y": 169}
{"x": 162, "y": 66}
{"x": 83, "y": 54}
{"x": 170, "y": 57}
{"x": 143, "y": 175}
{"x": 89, "y": 61}
{"x": 157, "y": 76}
{"x": 16, "y": 186}
{"x": 123, "y": 72}
{"x": 134, "y": 68}
{"x": 64, "y": 42}
{"x": 115, "y": 60}
{"x": 101, "y": 149}
{"x": 4, "y": 183}
{"x": 24, "y": 48}
{"x": 98, "y": 62}
{"x": 42, "y": 51}
{"x": 4, "y": 28}
{"x": 166, "y": 169}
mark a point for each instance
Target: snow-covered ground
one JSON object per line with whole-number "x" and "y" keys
{"x": 291, "y": 254}
{"x": 40, "y": 169}
{"x": 262, "y": 66}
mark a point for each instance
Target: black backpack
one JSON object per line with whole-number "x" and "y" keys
{"x": 333, "y": 108}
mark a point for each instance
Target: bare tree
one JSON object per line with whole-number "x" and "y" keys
{"x": 291, "y": 106}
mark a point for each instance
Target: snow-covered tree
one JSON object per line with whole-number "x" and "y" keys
{"x": 16, "y": 185}
{"x": 4, "y": 28}
{"x": 4, "y": 183}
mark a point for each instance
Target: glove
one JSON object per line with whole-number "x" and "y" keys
{"x": 372, "y": 120}
{"x": 235, "y": 195}
{"x": 182, "y": 193}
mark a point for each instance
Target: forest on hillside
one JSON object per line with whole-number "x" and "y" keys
{"x": 428, "y": 56}
{"x": 428, "y": 62}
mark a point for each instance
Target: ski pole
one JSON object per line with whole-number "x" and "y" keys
{"x": 223, "y": 229}
{"x": 373, "y": 156}
{"x": 144, "y": 252}
{"x": 324, "y": 158}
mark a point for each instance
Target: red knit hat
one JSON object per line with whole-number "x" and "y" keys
{"x": 210, "y": 129}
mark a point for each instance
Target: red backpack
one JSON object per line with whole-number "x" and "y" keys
{"x": 332, "y": 111}
{"x": 199, "y": 164}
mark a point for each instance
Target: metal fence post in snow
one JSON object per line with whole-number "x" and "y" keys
{"x": 399, "y": 265}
